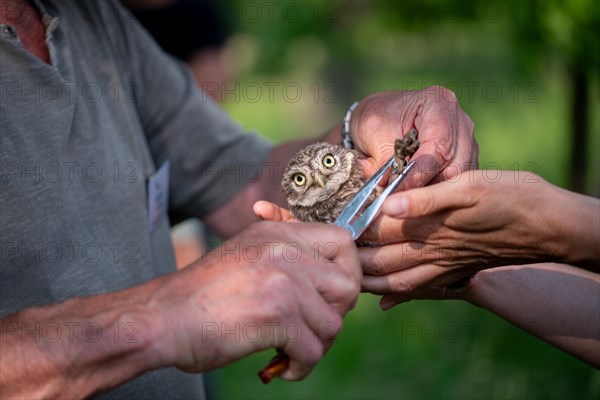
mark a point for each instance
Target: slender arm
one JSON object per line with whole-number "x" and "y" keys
{"x": 555, "y": 302}
{"x": 576, "y": 220}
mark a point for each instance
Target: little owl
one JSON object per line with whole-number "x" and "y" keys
{"x": 320, "y": 180}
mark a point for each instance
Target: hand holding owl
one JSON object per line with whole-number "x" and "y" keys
{"x": 447, "y": 143}
{"x": 446, "y": 147}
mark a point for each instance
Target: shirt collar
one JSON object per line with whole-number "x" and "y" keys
{"x": 50, "y": 15}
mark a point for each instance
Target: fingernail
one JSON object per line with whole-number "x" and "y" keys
{"x": 396, "y": 207}
{"x": 386, "y": 304}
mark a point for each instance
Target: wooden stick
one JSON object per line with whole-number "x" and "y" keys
{"x": 278, "y": 365}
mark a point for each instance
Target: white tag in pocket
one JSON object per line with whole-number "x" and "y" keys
{"x": 158, "y": 196}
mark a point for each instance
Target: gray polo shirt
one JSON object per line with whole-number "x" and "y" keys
{"x": 79, "y": 140}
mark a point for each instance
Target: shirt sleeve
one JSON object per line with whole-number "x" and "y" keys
{"x": 211, "y": 158}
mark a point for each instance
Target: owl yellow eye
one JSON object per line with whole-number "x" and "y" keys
{"x": 328, "y": 161}
{"x": 299, "y": 179}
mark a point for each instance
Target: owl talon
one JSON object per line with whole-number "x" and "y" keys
{"x": 404, "y": 149}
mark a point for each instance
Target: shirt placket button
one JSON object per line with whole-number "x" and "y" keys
{"x": 10, "y": 31}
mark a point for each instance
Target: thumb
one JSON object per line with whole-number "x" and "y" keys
{"x": 270, "y": 212}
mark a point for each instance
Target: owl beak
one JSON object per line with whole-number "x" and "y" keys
{"x": 320, "y": 180}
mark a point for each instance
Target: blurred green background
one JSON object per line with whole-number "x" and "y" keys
{"x": 526, "y": 73}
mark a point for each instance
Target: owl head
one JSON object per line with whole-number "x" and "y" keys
{"x": 316, "y": 173}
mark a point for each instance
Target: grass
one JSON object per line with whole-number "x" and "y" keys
{"x": 424, "y": 350}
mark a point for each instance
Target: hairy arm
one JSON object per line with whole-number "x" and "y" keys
{"x": 555, "y": 302}
{"x": 80, "y": 346}
{"x": 88, "y": 345}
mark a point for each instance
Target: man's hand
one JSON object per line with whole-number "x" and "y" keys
{"x": 274, "y": 285}
{"x": 438, "y": 235}
{"x": 445, "y": 132}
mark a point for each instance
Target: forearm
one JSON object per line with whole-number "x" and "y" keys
{"x": 555, "y": 302}
{"x": 577, "y": 223}
{"x": 538, "y": 222}
{"x": 81, "y": 346}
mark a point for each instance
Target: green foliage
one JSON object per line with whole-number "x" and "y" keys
{"x": 565, "y": 29}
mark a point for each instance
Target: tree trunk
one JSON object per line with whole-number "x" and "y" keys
{"x": 579, "y": 127}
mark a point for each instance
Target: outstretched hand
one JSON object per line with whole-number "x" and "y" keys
{"x": 439, "y": 235}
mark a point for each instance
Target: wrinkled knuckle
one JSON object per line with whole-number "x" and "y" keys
{"x": 374, "y": 234}
{"x": 275, "y": 311}
{"x": 276, "y": 279}
{"x": 377, "y": 266}
{"x": 369, "y": 237}
{"x": 347, "y": 287}
{"x": 403, "y": 287}
{"x": 444, "y": 144}
{"x": 353, "y": 287}
{"x": 384, "y": 150}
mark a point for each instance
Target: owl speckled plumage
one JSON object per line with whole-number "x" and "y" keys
{"x": 320, "y": 180}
